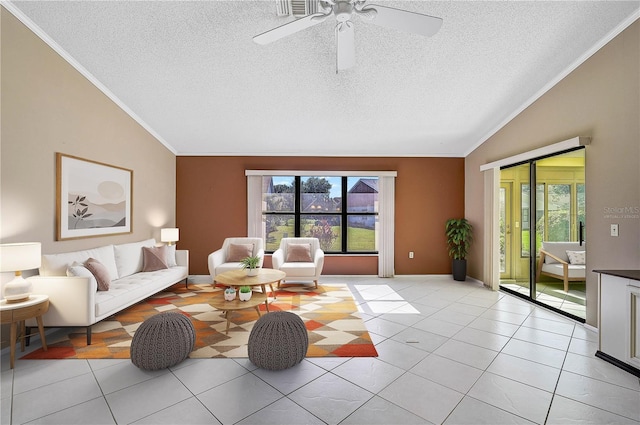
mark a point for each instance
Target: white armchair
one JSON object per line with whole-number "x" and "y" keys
{"x": 233, "y": 250}
{"x": 300, "y": 258}
{"x": 555, "y": 261}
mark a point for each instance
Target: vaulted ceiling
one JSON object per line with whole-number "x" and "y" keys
{"x": 191, "y": 74}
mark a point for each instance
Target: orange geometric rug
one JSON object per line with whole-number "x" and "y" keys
{"x": 329, "y": 313}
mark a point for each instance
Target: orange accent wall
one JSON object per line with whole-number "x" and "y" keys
{"x": 211, "y": 195}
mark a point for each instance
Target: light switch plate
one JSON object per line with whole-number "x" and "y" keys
{"x": 614, "y": 230}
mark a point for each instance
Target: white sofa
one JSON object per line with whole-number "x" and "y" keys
{"x": 218, "y": 260}
{"x": 299, "y": 270}
{"x": 554, "y": 262}
{"x": 75, "y": 301}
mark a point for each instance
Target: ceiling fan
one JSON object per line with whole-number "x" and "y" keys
{"x": 343, "y": 10}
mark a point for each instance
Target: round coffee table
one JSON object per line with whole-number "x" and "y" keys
{"x": 218, "y": 302}
{"x": 264, "y": 277}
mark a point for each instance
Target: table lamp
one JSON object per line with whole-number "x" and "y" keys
{"x": 16, "y": 257}
{"x": 170, "y": 235}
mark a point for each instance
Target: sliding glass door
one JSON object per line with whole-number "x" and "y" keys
{"x": 553, "y": 211}
{"x": 515, "y": 229}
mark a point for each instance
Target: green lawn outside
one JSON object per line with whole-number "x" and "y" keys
{"x": 359, "y": 239}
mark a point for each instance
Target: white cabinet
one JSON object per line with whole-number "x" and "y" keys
{"x": 619, "y": 318}
{"x": 635, "y": 324}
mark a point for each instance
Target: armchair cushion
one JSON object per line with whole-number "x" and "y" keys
{"x": 239, "y": 251}
{"x": 297, "y": 253}
{"x": 576, "y": 257}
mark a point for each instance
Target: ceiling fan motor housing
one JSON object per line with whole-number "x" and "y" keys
{"x": 343, "y": 10}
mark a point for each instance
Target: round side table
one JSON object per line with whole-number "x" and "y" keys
{"x": 17, "y": 313}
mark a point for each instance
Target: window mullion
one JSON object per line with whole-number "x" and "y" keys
{"x": 343, "y": 213}
{"x": 298, "y": 207}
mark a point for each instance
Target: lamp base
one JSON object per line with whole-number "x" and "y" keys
{"x": 17, "y": 300}
{"x": 17, "y": 290}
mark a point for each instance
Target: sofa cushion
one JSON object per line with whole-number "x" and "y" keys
{"x": 577, "y": 257}
{"x": 128, "y": 257}
{"x": 171, "y": 255}
{"x": 154, "y": 258}
{"x": 57, "y": 264}
{"x": 100, "y": 272}
{"x": 79, "y": 270}
{"x": 239, "y": 251}
{"x": 134, "y": 288}
{"x": 298, "y": 253}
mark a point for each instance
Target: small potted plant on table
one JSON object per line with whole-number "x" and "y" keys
{"x": 251, "y": 265}
{"x": 230, "y": 294}
{"x": 245, "y": 293}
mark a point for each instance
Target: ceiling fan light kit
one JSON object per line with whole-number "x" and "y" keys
{"x": 343, "y": 10}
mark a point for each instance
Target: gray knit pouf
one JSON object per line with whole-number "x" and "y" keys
{"x": 278, "y": 340}
{"x": 162, "y": 340}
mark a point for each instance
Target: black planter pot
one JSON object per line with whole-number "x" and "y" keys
{"x": 459, "y": 270}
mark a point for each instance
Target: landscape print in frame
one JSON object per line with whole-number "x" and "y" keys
{"x": 93, "y": 199}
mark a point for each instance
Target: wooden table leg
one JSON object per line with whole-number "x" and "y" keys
{"x": 23, "y": 335}
{"x": 13, "y": 335}
{"x": 258, "y": 310}
{"x": 266, "y": 301}
{"x": 41, "y": 329}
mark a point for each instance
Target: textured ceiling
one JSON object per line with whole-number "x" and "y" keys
{"x": 191, "y": 74}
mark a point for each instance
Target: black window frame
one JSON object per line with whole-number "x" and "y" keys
{"x": 343, "y": 213}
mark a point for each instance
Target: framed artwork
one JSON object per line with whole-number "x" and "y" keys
{"x": 92, "y": 198}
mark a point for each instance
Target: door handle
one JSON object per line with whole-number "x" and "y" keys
{"x": 581, "y": 233}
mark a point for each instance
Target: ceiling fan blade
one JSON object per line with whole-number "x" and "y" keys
{"x": 345, "y": 46}
{"x": 289, "y": 28}
{"x": 402, "y": 20}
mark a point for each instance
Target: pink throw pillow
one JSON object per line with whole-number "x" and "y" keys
{"x": 299, "y": 253}
{"x": 239, "y": 251}
{"x": 154, "y": 258}
{"x": 100, "y": 272}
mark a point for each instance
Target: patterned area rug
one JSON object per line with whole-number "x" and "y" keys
{"x": 329, "y": 312}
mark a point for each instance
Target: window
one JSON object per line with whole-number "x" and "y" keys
{"x": 341, "y": 211}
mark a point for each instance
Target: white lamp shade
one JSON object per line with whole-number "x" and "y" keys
{"x": 20, "y": 256}
{"x": 169, "y": 235}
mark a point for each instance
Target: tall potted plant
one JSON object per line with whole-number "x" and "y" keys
{"x": 459, "y": 238}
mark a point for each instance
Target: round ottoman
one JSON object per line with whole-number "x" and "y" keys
{"x": 162, "y": 340}
{"x": 278, "y": 340}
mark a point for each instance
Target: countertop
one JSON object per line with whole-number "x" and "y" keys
{"x": 627, "y": 274}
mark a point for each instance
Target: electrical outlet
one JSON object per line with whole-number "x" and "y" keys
{"x": 614, "y": 230}
{"x": 410, "y": 254}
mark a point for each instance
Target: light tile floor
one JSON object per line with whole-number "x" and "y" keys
{"x": 449, "y": 352}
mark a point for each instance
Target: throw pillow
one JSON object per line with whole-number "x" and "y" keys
{"x": 577, "y": 257}
{"x": 100, "y": 272}
{"x": 78, "y": 270}
{"x": 154, "y": 258}
{"x": 171, "y": 255}
{"x": 239, "y": 251}
{"x": 299, "y": 252}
